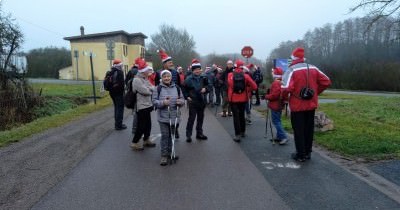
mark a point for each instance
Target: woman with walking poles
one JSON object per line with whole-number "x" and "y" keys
{"x": 167, "y": 100}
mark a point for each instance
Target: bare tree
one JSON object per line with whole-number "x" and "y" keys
{"x": 178, "y": 43}
{"x": 379, "y": 9}
{"x": 11, "y": 39}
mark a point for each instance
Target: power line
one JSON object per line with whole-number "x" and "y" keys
{"x": 39, "y": 26}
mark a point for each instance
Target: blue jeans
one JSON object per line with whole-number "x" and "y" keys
{"x": 276, "y": 120}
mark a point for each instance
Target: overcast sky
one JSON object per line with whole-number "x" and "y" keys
{"x": 220, "y": 26}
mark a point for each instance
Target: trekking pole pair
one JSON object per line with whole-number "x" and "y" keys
{"x": 172, "y": 131}
{"x": 269, "y": 121}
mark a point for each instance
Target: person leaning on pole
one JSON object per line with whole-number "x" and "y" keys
{"x": 276, "y": 104}
{"x": 302, "y": 83}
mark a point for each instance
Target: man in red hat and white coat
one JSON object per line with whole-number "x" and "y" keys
{"x": 302, "y": 83}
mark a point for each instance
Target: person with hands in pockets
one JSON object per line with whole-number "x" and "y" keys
{"x": 144, "y": 105}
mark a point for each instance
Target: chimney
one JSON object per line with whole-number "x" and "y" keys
{"x": 82, "y": 31}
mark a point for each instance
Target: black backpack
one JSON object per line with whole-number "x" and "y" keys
{"x": 130, "y": 96}
{"x": 108, "y": 81}
{"x": 239, "y": 82}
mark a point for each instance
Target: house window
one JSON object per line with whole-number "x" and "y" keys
{"x": 142, "y": 52}
{"x": 125, "y": 50}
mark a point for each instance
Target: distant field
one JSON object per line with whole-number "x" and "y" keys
{"x": 63, "y": 103}
{"x": 365, "y": 126}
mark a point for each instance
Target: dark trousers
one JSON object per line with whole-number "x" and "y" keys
{"x": 144, "y": 125}
{"x": 238, "y": 117}
{"x": 118, "y": 101}
{"x": 195, "y": 110}
{"x": 218, "y": 96}
{"x": 257, "y": 95}
{"x": 303, "y": 128}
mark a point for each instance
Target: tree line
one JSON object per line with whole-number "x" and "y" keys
{"x": 358, "y": 53}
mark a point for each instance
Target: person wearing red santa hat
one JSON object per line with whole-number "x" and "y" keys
{"x": 276, "y": 104}
{"x": 144, "y": 105}
{"x": 117, "y": 93}
{"x": 168, "y": 64}
{"x": 238, "y": 85}
{"x": 303, "y": 82}
{"x": 194, "y": 89}
{"x": 226, "y": 108}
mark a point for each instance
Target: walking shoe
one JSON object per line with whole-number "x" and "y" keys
{"x": 297, "y": 157}
{"x": 189, "y": 139}
{"x": 248, "y": 122}
{"x": 308, "y": 156}
{"x": 122, "y": 127}
{"x": 136, "y": 146}
{"x": 283, "y": 141}
{"x": 243, "y": 134}
{"x": 201, "y": 137}
{"x": 148, "y": 143}
{"x": 230, "y": 114}
{"x": 164, "y": 161}
{"x": 175, "y": 158}
{"x": 223, "y": 114}
{"x": 236, "y": 138}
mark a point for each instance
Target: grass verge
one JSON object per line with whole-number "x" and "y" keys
{"x": 365, "y": 126}
{"x": 65, "y": 112}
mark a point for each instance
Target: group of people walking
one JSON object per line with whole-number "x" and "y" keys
{"x": 167, "y": 90}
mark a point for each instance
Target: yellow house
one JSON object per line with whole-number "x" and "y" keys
{"x": 104, "y": 47}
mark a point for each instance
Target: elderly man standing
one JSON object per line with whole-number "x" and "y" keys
{"x": 302, "y": 83}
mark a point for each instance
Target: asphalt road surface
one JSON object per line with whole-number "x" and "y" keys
{"x": 213, "y": 174}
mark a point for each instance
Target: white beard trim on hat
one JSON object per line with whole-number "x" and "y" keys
{"x": 165, "y": 72}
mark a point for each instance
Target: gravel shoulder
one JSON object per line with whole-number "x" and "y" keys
{"x": 33, "y": 166}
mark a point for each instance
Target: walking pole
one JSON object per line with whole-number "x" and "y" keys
{"x": 270, "y": 127}
{"x": 266, "y": 122}
{"x": 170, "y": 129}
{"x": 173, "y": 154}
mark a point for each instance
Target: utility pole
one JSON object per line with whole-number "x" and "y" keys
{"x": 91, "y": 55}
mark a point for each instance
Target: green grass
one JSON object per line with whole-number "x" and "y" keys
{"x": 67, "y": 90}
{"x": 61, "y": 104}
{"x": 365, "y": 126}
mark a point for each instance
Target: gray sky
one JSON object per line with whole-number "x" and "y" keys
{"x": 220, "y": 26}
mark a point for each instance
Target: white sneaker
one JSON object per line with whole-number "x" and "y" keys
{"x": 283, "y": 141}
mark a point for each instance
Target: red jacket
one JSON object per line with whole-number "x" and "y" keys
{"x": 240, "y": 97}
{"x": 182, "y": 77}
{"x": 295, "y": 78}
{"x": 275, "y": 96}
{"x": 152, "y": 79}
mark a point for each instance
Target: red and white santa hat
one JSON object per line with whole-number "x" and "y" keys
{"x": 117, "y": 62}
{"x": 196, "y": 64}
{"x": 297, "y": 53}
{"x": 164, "y": 56}
{"x": 277, "y": 72}
{"x": 166, "y": 71}
{"x": 239, "y": 63}
{"x": 142, "y": 65}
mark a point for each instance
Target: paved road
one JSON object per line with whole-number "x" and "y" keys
{"x": 213, "y": 174}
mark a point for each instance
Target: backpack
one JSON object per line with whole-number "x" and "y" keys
{"x": 258, "y": 78}
{"x": 108, "y": 81}
{"x": 239, "y": 82}
{"x": 130, "y": 96}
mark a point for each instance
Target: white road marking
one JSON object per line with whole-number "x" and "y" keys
{"x": 271, "y": 165}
